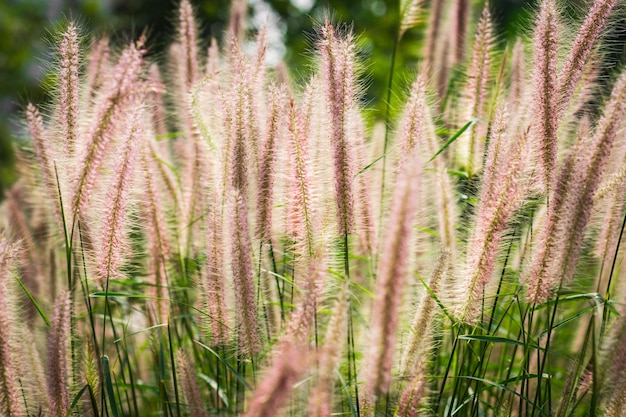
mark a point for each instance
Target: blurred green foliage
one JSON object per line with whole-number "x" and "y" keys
{"x": 27, "y": 28}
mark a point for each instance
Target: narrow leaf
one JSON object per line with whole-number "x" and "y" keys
{"x": 108, "y": 385}
{"x": 455, "y": 136}
{"x": 35, "y": 303}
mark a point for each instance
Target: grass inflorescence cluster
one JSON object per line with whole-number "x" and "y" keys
{"x": 201, "y": 236}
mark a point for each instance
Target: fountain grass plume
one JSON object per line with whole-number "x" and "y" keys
{"x": 213, "y": 281}
{"x": 243, "y": 276}
{"x": 68, "y": 111}
{"x": 329, "y": 357}
{"x": 364, "y": 209}
{"x": 421, "y": 332}
{"x": 337, "y": 55}
{"x": 115, "y": 99}
{"x": 409, "y": 15}
{"x": 613, "y": 378}
{"x": 239, "y": 141}
{"x": 156, "y": 101}
{"x": 417, "y": 134}
{"x": 392, "y": 272}
{"x": 274, "y": 389}
{"x": 271, "y": 147}
{"x": 470, "y": 145}
{"x": 188, "y": 38}
{"x": 609, "y": 231}
{"x": 189, "y": 382}
{"x": 544, "y": 89}
{"x": 300, "y": 207}
{"x": 40, "y": 138}
{"x": 213, "y": 58}
{"x": 10, "y": 391}
{"x": 591, "y": 29}
{"x": 237, "y": 22}
{"x": 98, "y": 64}
{"x": 503, "y": 189}
{"x": 159, "y": 248}
{"x": 58, "y": 352}
{"x": 460, "y": 21}
{"x": 303, "y": 319}
{"x": 433, "y": 35}
{"x": 413, "y": 395}
{"x": 555, "y": 259}
{"x": 518, "y": 73}
{"x": 412, "y": 129}
{"x": 115, "y": 244}
{"x": 31, "y": 267}
{"x": 602, "y": 142}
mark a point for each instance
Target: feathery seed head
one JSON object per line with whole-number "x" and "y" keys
{"x": 572, "y": 201}
{"x": 412, "y": 124}
{"x": 58, "y": 354}
{"x": 461, "y": 14}
{"x": 301, "y": 323}
{"x": 10, "y": 401}
{"x": 518, "y": 73}
{"x": 392, "y": 273}
{"x": 545, "y": 95}
{"x": 237, "y": 23}
{"x": 329, "y": 356}
{"x": 114, "y": 232}
{"x": 580, "y": 51}
{"x": 243, "y": 276}
{"x": 337, "y": 53}
{"x": 275, "y": 388}
{"x": 116, "y": 98}
{"x": 191, "y": 391}
{"x": 409, "y": 15}
{"x": 433, "y": 37}
{"x": 188, "y": 38}
{"x": 98, "y": 64}
{"x": 215, "y": 283}
{"x": 40, "y": 144}
{"x": 470, "y": 145}
{"x": 413, "y": 395}
{"x": 69, "y": 94}
{"x": 277, "y": 98}
{"x": 421, "y": 335}
{"x": 504, "y": 188}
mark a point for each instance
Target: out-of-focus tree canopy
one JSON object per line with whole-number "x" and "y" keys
{"x": 27, "y": 30}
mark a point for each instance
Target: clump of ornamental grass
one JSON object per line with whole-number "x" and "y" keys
{"x": 200, "y": 236}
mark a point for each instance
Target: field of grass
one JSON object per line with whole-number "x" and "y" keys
{"x": 201, "y": 236}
